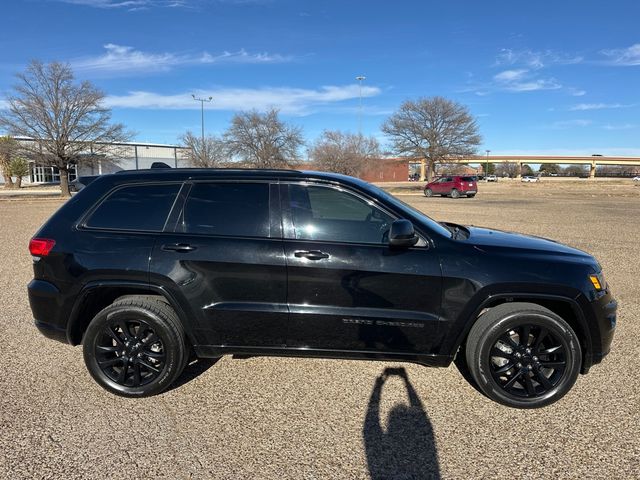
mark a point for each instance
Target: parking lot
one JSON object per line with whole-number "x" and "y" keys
{"x": 316, "y": 419}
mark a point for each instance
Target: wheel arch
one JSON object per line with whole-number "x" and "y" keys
{"x": 97, "y": 295}
{"x": 565, "y": 307}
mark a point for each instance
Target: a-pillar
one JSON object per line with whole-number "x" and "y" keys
{"x": 519, "y": 170}
{"x": 592, "y": 170}
{"x": 423, "y": 170}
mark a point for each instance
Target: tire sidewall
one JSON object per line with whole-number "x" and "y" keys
{"x": 455, "y": 193}
{"x": 558, "y": 327}
{"x": 173, "y": 362}
{"x": 428, "y": 192}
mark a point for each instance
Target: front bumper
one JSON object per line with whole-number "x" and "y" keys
{"x": 602, "y": 310}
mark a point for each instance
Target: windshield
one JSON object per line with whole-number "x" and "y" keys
{"x": 432, "y": 224}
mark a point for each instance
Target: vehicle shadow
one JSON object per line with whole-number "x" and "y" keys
{"x": 193, "y": 370}
{"x": 407, "y": 448}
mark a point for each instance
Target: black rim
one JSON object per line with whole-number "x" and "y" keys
{"x": 130, "y": 353}
{"x": 528, "y": 361}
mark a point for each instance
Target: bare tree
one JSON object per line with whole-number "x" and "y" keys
{"x": 8, "y": 149}
{"x": 66, "y": 120}
{"x": 435, "y": 129}
{"x": 345, "y": 153}
{"x": 509, "y": 169}
{"x": 211, "y": 154}
{"x": 262, "y": 140}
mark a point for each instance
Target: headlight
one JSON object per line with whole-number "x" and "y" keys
{"x": 598, "y": 281}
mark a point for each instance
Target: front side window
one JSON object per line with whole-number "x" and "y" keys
{"x": 136, "y": 207}
{"x": 328, "y": 214}
{"x": 231, "y": 209}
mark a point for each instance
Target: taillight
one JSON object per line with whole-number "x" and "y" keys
{"x": 40, "y": 247}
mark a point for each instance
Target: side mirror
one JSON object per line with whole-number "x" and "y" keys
{"x": 402, "y": 234}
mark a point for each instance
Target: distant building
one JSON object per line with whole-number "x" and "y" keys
{"x": 127, "y": 156}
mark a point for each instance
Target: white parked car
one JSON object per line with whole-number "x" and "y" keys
{"x": 636, "y": 179}
{"x": 492, "y": 178}
{"x": 530, "y": 179}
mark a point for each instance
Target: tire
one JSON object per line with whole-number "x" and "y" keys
{"x": 428, "y": 192}
{"x": 471, "y": 196}
{"x": 455, "y": 193}
{"x": 521, "y": 373}
{"x": 135, "y": 347}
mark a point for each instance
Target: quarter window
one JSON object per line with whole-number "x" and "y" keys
{"x": 137, "y": 207}
{"x": 328, "y": 214}
{"x": 233, "y": 209}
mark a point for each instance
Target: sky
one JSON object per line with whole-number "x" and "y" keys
{"x": 543, "y": 77}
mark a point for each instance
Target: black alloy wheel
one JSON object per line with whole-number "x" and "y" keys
{"x": 528, "y": 361}
{"x": 130, "y": 353}
{"x": 135, "y": 347}
{"x": 523, "y": 355}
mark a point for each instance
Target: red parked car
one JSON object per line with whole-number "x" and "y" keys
{"x": 453, "y": 186}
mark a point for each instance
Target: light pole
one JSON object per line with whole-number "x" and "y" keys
{"x": 202, "y": 100}
{"x": 486, "y": 171}
{"x": 360, "y": 78}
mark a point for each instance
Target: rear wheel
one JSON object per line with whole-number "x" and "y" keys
{"x": 428, "y": 192}
{"x": 523, "y": 355}
{"x": 135, "y": 347}
{"x": 471, "y": 195}
{"x": 455, "y": 193}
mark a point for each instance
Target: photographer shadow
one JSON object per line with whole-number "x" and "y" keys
{"x": 406, "y": 449}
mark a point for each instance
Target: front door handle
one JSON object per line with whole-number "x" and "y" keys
{"x": 311, "y": 254}
{"x": 178, "y": 247}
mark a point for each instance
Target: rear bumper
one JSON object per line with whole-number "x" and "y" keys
{"x": 46, "y": 301}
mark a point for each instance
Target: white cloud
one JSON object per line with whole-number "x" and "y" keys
{"x": 599, "y": 106}
{"x": 566, "y": 124}
{"x": 292, "y": 101}
{"x": 522, "y": 80}
{"x": 3, "y": 104}
{"x": 623, "y": 57}
{"x": 577, "y": 92}
{"x": 128, "y": 4}
{"x": 120, "y": 59}
{"x": 510, "y": 75}
{"x": 624, "y": 126}
{"x": 534, "y": 59}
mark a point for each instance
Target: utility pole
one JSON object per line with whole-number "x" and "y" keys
{"x": 360, "y": 78}
{"x": 202, "y": 100}
{"x": 486, "y": 171}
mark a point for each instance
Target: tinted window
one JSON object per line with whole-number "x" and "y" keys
{"x": 138, "y": 207}
{"x": 236, "y": 209}
{"x": 467, "y": 179}
{"x": 322, "y": 213}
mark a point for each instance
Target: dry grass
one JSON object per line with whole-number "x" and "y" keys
{"x": 291, "y": 418}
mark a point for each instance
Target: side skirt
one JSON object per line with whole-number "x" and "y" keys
{"x": 207, "y": 351}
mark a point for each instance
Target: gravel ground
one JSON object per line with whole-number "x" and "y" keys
{"x": 312, "y": 419}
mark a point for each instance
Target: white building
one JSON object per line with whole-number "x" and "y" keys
{"x": 126, "y": 156}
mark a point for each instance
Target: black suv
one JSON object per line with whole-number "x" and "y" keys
{"x": 149, "y": 269}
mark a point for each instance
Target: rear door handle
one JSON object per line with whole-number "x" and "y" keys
{"x": 178, "y": 247}
{"x": 311, "y": 254}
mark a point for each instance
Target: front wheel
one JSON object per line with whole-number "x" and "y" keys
{"x": 135, "y": 347}
{"x": 523, "y": 355}
{"x": 428, "y": 192}
{"x": 455, "y": 193}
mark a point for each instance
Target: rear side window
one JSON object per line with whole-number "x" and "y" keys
{"x": 232, "y": 209}
{"x": 137, "y": 207}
